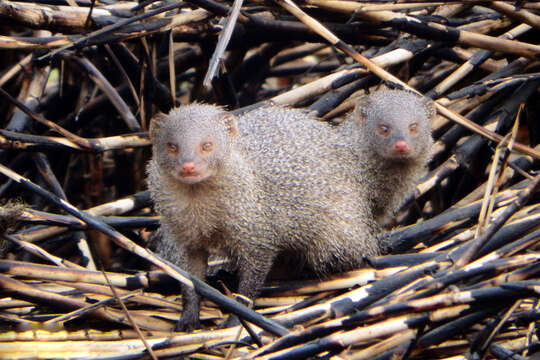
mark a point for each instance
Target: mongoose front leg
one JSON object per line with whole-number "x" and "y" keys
{"x": 195, "y": 262}
{"x": 251, "y": 278}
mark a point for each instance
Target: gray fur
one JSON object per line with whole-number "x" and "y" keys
{"x": 279, "y": 182}
{"x": 222, "y": 211}
{"x": 312, "y": 195}
{"x": 389, "y": 177}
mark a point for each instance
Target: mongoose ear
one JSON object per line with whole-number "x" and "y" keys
{"x": 155, "y": 124}
{"x": 229, "y": 120}
{"x": 431, "y": 110}
{"x": 360, "y": 108}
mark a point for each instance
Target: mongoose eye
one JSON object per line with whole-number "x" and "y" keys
{"x": 207, "y": 146}
{"x": 413, "y": 128}
{"x": 172, "y": 148}
{"x": 383, "y": 130}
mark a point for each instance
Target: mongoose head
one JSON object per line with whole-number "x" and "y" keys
{"x": 396, "y": 124}
{"x": 191, "y": 143}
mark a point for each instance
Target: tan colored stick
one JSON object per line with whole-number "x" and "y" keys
{"x": 521, "y": 15}
{"x": 460, "y": 36}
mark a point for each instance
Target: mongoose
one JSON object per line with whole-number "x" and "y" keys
{"x": 391, "y": 135}
{"x": 273, "y": 181}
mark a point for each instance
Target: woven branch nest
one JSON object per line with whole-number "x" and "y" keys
{"x": 79, "y": 83}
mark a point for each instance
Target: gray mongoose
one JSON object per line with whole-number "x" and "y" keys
{"x": 279, "y": 182}
{"x": 391, "y": 134}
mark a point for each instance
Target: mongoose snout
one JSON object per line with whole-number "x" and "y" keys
{"x": 401, "y": 147}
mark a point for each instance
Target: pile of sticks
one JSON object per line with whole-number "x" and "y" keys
{"x": 80, "y": 81}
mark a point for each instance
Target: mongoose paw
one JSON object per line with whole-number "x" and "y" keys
{"x": 187, "y": 323}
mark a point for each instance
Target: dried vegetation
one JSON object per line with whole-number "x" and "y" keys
{"x": 79, "y": 83}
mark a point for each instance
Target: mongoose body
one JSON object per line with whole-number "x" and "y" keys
{"x": 279, "y": 182}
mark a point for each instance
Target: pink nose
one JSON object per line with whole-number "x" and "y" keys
{"x": 401, "y": 146}
{"x": 188, "y": 167}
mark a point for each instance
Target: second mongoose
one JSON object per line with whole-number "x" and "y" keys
{"x": 278, "y": 182}
{"x": 390, "y": 133}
